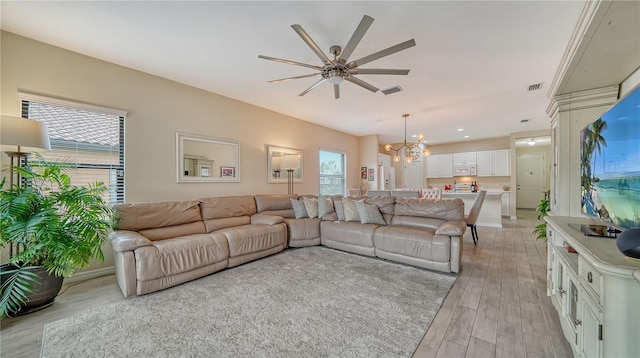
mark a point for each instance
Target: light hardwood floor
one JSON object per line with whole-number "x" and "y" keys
{"x": 496, "y": 308}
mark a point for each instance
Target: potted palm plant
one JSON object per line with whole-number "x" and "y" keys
{"x": 540, "y": 231}
{"x": 55, "y": 228}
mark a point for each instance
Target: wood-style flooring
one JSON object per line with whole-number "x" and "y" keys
{"x": 496, "y": 308}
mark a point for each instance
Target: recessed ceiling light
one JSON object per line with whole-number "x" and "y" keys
{"x": 460, "y": 129}
{"x": 466, "y": 136}
{"x": 414, "y": 135}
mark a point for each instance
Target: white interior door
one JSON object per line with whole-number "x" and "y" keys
{"x": 530, "y": 180}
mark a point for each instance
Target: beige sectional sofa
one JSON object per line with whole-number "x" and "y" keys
{"x": 159, "y": 245}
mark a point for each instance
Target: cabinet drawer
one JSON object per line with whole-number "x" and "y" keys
{"x": 590, "y": 277}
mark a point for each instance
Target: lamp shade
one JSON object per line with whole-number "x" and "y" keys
{"x": 291, "y": 161}
{"x": 25, "y": 134}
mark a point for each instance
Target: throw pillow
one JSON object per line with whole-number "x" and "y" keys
{"x": 369, "y": 214}
{"x": 311, "y": 204}
{"x": 339, "y": 205}
{"x": 325, "y": 206}
{"x": 298, "y": 209}
{"x": 350, "y": 210}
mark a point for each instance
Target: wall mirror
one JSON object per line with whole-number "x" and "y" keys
{"x": 280, "y": 159}
{"x": 207, "y": 159}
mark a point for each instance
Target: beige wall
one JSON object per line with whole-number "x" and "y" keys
{"x": 157, "y": 109}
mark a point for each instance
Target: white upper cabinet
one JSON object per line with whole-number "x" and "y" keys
{"x": 440, "y": 166}
{"x": 464, "y": 158}
{"x": 494, "y": 163}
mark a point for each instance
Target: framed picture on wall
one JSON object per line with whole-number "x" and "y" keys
{"x": 205, "y": 171}
{"x": 281, "y": 161}
{"x": 227, "y": 171}
{"x": 363, "y": 173}
{"x": 371, "y": 174}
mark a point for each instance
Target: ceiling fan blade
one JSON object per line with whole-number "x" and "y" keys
{"x": 362, "y": 28}
{"x": 336, "y": 90}
{"x": 312, "y": 87}
{"x": 361, "y": 83}
{"x": 300, "y": 31}
{"x": 290, "y": 62}
{"x": 294, "y": 78}
{"x": 386, "y": 52}
{"x": 378, "y": 71}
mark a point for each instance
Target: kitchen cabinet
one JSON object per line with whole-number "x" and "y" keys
{"x": 494, "y": 163}
{"x": 506, "y": 204}
{"x": 440, "y": 166}
{"x": 464, "y": 158}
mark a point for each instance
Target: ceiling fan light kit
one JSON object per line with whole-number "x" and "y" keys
{"x": 338, "y": 70}
{"x": 411, "y": 151}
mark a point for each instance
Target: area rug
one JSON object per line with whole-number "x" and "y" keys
{"x": 309, "y": 302}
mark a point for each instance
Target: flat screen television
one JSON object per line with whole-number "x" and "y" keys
{"x": 610, "y": 164}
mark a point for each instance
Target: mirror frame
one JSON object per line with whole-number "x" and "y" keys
{"x": 271, "y": 153}
{"x": 181, "y": 178}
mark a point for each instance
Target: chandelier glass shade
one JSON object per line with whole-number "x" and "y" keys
{"x": 411, "y": 151}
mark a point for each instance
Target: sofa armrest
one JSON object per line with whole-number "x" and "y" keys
{"x": 266, "y": 219}
{"x": 452, "y": 228}
{"x": 125, "y": 240}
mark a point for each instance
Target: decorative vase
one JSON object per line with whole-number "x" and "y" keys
{"x": 43, "y": 292}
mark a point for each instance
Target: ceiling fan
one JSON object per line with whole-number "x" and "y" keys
{"x": 336, "y": 70}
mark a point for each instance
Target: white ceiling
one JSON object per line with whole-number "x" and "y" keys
{"x": 471, "y": 67}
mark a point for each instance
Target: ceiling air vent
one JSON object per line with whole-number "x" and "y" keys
{"x": 392, "y": 90}
{"x": 534, "y": 87}
{"x": 524, "y": 120}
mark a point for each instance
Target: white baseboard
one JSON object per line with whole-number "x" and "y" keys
{"x": 86, "y": 275}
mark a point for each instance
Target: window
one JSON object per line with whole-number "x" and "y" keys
{"x": 89, "y": 138}
{"x": 333, "y": 180}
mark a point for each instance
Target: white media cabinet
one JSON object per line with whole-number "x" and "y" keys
{"x": 594, "y": 290}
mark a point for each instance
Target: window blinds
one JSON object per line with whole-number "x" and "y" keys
{"x": 88, "y": 138}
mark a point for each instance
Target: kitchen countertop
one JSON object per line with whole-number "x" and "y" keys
{"x": 489, "y": 193}
{"x": 491, "y": 211}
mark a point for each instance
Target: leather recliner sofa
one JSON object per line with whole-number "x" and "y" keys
{"x": 159, "y": 245}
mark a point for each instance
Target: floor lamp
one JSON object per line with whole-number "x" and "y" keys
{"x": 290, "y": 162}
{"x": 18, "y": 137}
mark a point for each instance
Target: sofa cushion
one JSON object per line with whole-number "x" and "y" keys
{"x": 350, "y": 210}
{"x": 339, "y": 205}
{"x": 138, "y": 216}
{"x": 273, "y": 202}
{"x": 311, "y": 205}
{"x": 169, "y": 232}
{"x": 386, "y": 204}
{"x": 299, "y": 211}
{"x": 181, "y": 254}
{"x": 417, "y": 221}
{"x": 448, "y": 210}
{"x": 303, "y": 229}
{"x": 350, "y": 233}
{"x": 413, "y": 242}
{"x": 325, "y": 206}
{"x": 227, "y": 207}
{"x": 218, "y": 224}
{"x": 369, "y": 214}
{"x": 249, "y": 239}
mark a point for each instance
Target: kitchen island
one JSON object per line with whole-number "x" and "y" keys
{"x": 491, "y": 211}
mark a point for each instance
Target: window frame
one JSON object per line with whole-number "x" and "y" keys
{"x": 344, "y": 170}
{"x": 118, "y": 190}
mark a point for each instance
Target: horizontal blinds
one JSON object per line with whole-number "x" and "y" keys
{"x": 90, "y": 142}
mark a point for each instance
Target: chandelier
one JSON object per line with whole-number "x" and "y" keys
{"x": 412, "y": 151}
